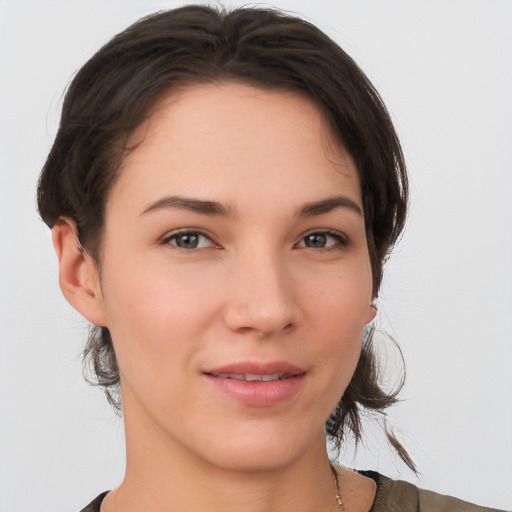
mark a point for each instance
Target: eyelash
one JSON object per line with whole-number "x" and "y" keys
{"x": 183, "y": 232}
{"x": 339, "y": 237}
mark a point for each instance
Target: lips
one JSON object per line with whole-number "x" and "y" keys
{"x": 257, "y": 385}
{"x": 282, "y": 368}
{"x": 254, "y": 377}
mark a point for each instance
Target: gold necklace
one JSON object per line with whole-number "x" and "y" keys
{"x": 336, "y": 479}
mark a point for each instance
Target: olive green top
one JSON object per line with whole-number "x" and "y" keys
{"x": 392, "y": 496}
{"x": 400, "y": 496}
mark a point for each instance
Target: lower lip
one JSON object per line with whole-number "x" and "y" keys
{"x": 259, "y": 394}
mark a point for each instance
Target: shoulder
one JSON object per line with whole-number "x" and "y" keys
{"x": 95, "y": 504}
{"x": 400, "y": 496}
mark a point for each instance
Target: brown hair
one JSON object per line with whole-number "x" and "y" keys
{"x": 115, "y": 90}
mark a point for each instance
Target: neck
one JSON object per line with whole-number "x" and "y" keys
{"x": 161, "y": 474}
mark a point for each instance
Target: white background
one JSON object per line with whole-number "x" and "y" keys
{"x": 444, "y": 69}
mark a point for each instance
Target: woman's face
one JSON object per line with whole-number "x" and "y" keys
{"x": 235, "y": 277}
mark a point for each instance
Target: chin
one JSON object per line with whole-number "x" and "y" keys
{"x": 262, "y": 450}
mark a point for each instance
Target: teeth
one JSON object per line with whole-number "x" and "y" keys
{"x": 252, "y": 377}
{"x": 273, "y": 376}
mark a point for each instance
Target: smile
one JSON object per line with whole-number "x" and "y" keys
{"x": 257, "y": 384}
{"x": 253, "y": 377}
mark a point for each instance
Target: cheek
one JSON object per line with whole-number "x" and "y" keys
{"x": 341, "y": 300}
{"x": 337, "y": 313}
{"x": 155, "y": 316}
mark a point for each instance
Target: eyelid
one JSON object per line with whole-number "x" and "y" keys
{"x": 183, "y": 231}
{"x": 341, "y": 237}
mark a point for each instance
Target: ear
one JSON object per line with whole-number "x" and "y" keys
{"x": 372, "y": 313}
{"x": 79, "y": 278}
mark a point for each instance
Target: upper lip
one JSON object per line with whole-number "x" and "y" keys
{"x": 256, "y": 368}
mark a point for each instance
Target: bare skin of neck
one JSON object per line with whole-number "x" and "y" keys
{"x": 159, "y": 479}
{"x": 255, "y": 494}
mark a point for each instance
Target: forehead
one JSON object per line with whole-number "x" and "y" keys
{"x": 238, "y": 140}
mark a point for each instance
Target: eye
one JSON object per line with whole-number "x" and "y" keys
{"x": 189, "y": 240}
{"x": 323, "y": 240}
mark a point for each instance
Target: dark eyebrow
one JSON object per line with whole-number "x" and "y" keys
{"x": 327, "y": 205}
{"x": 191, "y": 204}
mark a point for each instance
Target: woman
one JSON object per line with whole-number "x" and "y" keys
{"x": 223, "y": 191}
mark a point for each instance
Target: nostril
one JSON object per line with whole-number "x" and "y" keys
{"x": 254, "y": 320}
{"x": 263, "y": 303}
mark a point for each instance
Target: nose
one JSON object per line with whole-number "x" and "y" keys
{"x": 261, "y": 297}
